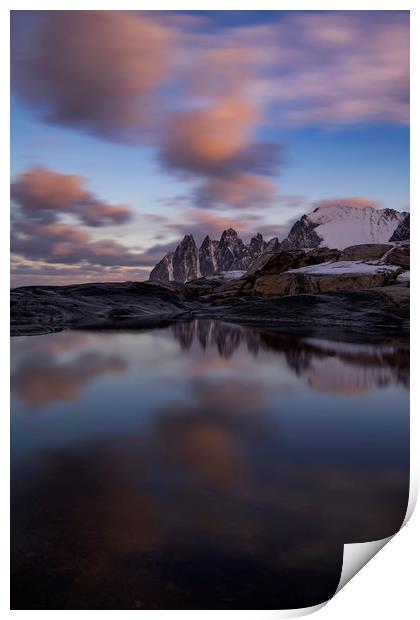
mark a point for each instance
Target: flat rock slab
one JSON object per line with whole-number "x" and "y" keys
{"x": 45, "y": 309}
{"x": 130, "y": 305}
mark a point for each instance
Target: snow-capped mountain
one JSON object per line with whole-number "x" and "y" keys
{"x": 341, "y": 226}
{"x": 228, "y": 254}
{"x": 334, "y": 226}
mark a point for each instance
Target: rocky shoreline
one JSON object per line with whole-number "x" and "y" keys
{"x": 311, "y": 292}
{"x": 362, "y": 314}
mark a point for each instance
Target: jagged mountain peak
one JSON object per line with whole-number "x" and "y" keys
{"x": 228, "y": 254}
{"x": 333, "y": 225}
{"x": 229, "y": 233}
{"x": 188, "y": 240}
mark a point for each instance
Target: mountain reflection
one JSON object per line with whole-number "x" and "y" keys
{"x": 58, "y": 368}
{"x": 348, "y": 368}
{"x": 226, "y": 338}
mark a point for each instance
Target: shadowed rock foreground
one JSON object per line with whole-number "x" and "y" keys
{"x": 45, "y": 309}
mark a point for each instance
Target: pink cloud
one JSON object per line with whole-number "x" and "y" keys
{"x": 94, "y": 69}
{"x": 201, "y": 95}
{"x": 241, "y": 190}
{"x": 43, "y": 194}
{"x": 352, "y": 201}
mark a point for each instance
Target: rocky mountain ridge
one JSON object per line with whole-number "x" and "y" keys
{"x": 336, "y": 227}
{"x": 230, "y": 253}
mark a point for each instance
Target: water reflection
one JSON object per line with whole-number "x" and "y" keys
{"x": 326, "y": 365}
{"x": 46, "y": 373}
{"x": 202, "y": 466}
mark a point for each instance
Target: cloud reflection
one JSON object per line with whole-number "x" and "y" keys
{"x": 208, "y": 499}
{"x": 42, "y": 377}
{"x": 196, "y": 513}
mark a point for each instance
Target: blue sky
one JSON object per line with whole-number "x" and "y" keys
{"x": 333, "y": 116}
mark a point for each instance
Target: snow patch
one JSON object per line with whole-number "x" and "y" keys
{"x": 346, "y": 268}
{"x": 232, "y": 275}
{"x": 404, "y": 277}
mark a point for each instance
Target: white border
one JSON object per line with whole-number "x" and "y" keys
{"x": 399, "y": 572}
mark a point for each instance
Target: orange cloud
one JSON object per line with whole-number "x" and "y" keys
{"x": 201, "y": 95}
{"x": 353, "y": 201}
{"x": 206, "y": 137}
{"x": 44, "y": 194}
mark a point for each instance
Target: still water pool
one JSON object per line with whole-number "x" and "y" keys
{"x": 200, "y": 466}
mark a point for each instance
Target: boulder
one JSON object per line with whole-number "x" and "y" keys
{"x": 275, "y": 262}
{"x": 278, "y": 262}
{"x": 295, "y": 283}
{"x": 365, "y": 251}
{"x": 400, "y": 256}
{"x": 317, "y": 256}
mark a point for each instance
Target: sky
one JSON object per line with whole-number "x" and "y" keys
{"x": 131, "y": 129}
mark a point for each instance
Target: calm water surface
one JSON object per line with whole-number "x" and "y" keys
{"x": 200, "y": 466}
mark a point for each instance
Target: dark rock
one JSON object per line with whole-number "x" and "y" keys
{"x": 273, "y": 245}
{"x": 361, "y": 314}
{"x": 185, "y": 260}
{"x": 302, "y": 235}
{"x": 44, "y": 309}
{"x": 257, "y": 246}
{"x": 276, "y": 262}
{"x": 180, "y": 266}
{"x": 131, "y": 305}
{"x": 317, "y": 256}
{"x": 234, "y": 254}
{"x": 402, "y": 232}
{"x": 163, "y": 271}
{"x": 209, "y": 255}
